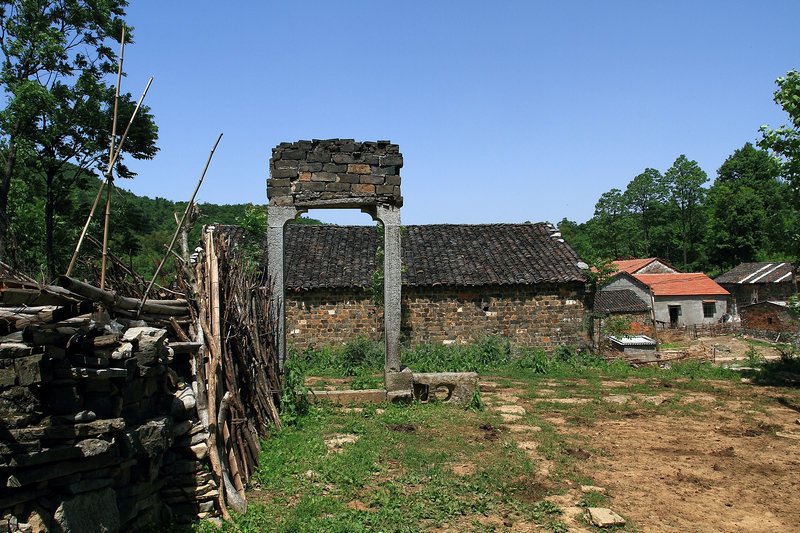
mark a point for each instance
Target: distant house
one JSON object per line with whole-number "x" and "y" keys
{"x": 678, "y": 298}
{"x": 460, "y": 283}
{"x": 649, "y": 265}
{"x": 769, "y": 320}
{"x": 621, "y": 303}
{"x": 751, "y": 283}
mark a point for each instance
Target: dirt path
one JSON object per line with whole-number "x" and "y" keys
{"x": 674, "y": 461}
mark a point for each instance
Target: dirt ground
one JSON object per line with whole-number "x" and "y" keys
{"x": 724, "y": 459}
{"x": 730, "y": 349}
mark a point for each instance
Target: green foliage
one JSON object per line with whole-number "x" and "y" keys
{"x": 375, "y": 288}
{"x": 746, "y": 215}
{"x": 57, "y": 122}
{"x": 642, "y": 198}
{"x": 784, "y": 141}
{"x": 294, "y": 393}
{"x": 485, "y": 353}
{"x": 619, "y": 326}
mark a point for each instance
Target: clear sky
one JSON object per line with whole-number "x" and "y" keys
{"x": 504, "y": 111}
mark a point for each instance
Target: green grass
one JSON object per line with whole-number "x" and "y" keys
{"x": 422, "y": 466}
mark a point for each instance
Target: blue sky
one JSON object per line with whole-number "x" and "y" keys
{"x": 504, "y": 111}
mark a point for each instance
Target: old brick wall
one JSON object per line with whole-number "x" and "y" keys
{"x": 331, "y": 316}
{"x": 748, "y": 293}
{"x": 545, "y": 315}
{"x": 641, "y": 323}
{"x": 768, "y": 317}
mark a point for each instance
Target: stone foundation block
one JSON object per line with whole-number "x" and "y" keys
{"x": 344, "y": 397}
{"x": 399, "y": 381}
{"x": 460, "y": 386}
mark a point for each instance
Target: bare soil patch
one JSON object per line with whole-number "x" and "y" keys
{"x": 720, "y": 469}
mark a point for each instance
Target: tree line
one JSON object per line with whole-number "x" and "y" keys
{"x": 748, "y": 213}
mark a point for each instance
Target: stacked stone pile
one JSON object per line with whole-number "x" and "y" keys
{"x": 324, "y": 172}
{"x": 99, "y": 428}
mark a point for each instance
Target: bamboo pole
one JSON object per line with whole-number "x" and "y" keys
{"x": 211, "y": 377}
{"x": 185, "y": 213}
{"x": 109, "y": 176}
{"x": 105, "y": 179}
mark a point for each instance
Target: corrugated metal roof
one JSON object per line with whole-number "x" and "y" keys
{"x": 634, "y": 340}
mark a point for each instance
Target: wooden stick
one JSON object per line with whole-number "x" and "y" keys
{"x": 185, "y": 213}
{"x": 235, "y": 499}
{"x": 116, "y": 94}
{"x": 156, "y": 307}
{"x": 105, "y": 179}
{"x": 86, "y": 226}
{"x": 104, "y": 256}
{"x": 110, "y": 156}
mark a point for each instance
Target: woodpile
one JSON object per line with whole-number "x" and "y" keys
{"x": 99, "y": 421}
{"x": 110, "y": 399}
{"x": 233, "y": 324}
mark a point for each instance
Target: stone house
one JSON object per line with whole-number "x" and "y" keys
{"x": 751, "y": 283}
{"x": 679, "y": 299}
{"x": 460, "y": 283}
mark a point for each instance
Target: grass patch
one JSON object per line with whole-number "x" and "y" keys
{"x": 423, "y": 466}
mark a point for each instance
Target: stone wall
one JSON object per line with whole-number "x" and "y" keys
{"x": 99, "y": 430}
{"x": 544, "y": 316}
{"x": 315, "y": 173}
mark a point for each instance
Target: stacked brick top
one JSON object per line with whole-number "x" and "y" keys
{"x": 335, "y": 172}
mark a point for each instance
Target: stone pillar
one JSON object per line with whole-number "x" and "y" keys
{"x": 390, "y": 217}
{"x": 277, "y": 217}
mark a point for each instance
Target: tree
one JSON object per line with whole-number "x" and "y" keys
{"x": 684, "y": 181}
{"x": 748, "y": 166}
{"x": 610, "y": 213}
{"x": 750, "y": 171}
{"x": 643, "y": 196}
{"x": 737, "y": 224}
{"x": 59, "y": 106}
{"x": 785, "y": 140}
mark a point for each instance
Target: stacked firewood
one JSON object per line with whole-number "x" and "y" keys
{"x": 243, "y": 385}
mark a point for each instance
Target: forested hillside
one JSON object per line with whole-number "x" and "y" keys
{"x": 746, "y": 214}
{"x": 140, "y": 227}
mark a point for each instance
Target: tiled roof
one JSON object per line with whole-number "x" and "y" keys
{"x": 329, "y": 256}
{"x": 632, "y": 266}
{"x": 438, "y": 254}
{"x": 684, "y": 284}
{"x": 747, "y": 273}
{"x": 618, "y": 301}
